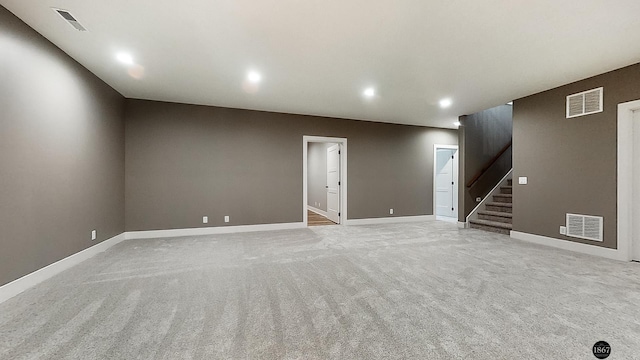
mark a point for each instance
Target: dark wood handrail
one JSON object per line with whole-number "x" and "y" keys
{"x": 488, "y": 165}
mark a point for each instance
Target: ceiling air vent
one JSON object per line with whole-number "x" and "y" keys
{"x": 584, "y": 227}
{"x": 584, "y": 103}
{"x": 70, "y": 19}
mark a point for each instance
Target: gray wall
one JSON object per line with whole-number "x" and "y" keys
{"x": 482, "y": 135}
{"x": 317, "y": 175}
{"x": 571, "y": 163}
{"x": 186, "y": 161}
{"x": 61, "y": 153}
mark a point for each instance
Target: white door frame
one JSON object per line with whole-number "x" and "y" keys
{"x": 343, "y": 173}
{"x": 625, "y": 178}
{"x": 435, "y": 150}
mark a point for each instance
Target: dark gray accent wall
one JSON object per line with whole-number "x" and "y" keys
{"x": 317, "y": 175}
{"x": 571, "y": 163}
{"x": 482, "y": 136}
{"x": 186, "y": 161}
{"x": 61, "y": 153}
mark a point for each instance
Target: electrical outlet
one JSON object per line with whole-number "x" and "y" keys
{"x": 523, "y": 180}
{"x": 478, "y": 199}
{"x": 94, "y": 234}
{"x": 205, "y": 219}
{"x": 226, "y": 218}
{"x": 563, "y": 230}
{"x": 390, "y": 211}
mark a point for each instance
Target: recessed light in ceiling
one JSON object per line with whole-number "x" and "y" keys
{"x": 125, "y": 58}
{"x": 445, "y": 103}
{"x": 510, "y": 103}
{"x": 369, "y": 92}
{"x": 254, "y": 77}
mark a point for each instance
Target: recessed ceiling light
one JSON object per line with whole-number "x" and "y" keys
{"x": 445, "y": 103}
{"x": 125, "y": 58}
{"x": 369, "y": 92}
{"x": 457, "y": 123}
{"x": 510, "y": 103}
{"x": 254, "y": 77}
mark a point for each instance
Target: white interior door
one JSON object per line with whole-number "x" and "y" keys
{"x": 635, "y": 212}
{"x": 446, "y": 179}
{"x": 333, "y": 183}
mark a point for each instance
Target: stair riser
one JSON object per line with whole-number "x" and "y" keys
{"x": 500, "y": 199}
{"x": 499, "y": 208}
{"x": 506, "y": 191}
{"x": 491, "y": 228}
{"x": 501, "y": 219}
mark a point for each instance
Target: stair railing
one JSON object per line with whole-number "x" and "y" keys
{"x": 488, "y": 165}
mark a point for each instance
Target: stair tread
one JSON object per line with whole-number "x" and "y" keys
{"x": 495, "y": 213}
{"x": 492, "y": 224}
{"x": 500, "y": 204}
{"x": 504, "y": 195}
{"x": 507, "y": 187}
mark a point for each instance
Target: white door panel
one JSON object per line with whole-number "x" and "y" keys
{"x": 446, "y": 177}
{"x": 333, "y": 181}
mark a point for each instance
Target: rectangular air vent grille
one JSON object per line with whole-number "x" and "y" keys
{"x": 585, "y": 103}
{"x": 70, "y": 19}
{"x": 584, "y": 226}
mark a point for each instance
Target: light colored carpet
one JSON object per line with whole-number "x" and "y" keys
{"x": 397, "y": 291}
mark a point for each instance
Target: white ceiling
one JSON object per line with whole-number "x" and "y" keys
{"x": 317, "y": 57}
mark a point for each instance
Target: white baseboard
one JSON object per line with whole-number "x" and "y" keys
{"x": 390, "y": 220}
{"x": 17, "y": 286}
{"x": 150, "y": 234}
{"x": 317, "y": 211}
{"x": 569, "y": 245}
{"x": 462, "y": 225}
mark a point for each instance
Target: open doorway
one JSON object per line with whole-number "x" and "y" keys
{"x": 445, "y": 182}
{"x": 324, "y": 180}
{"x": 629, "y": 180}
{"x": 635, "y": 232}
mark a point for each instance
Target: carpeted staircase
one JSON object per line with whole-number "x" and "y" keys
{"x": 497, "y": 215}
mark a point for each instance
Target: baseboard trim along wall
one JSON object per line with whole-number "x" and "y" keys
{"x": 569, "y": 245}
{"x": 151, "y": 234}
{"x": 390, "y": 220}
{"x": 317, "y": 211}
{"x": 17, "y": 286}
{"x": 28, "y": 281}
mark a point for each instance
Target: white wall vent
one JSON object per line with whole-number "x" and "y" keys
{"x": 70, "y": 19}
{"x": 585, "y": 103}
{"x": 584, "y": 226}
